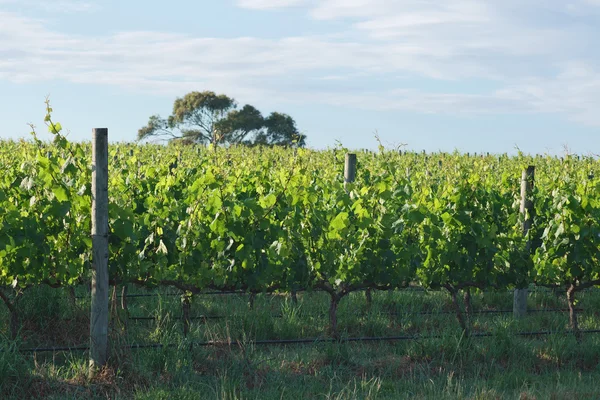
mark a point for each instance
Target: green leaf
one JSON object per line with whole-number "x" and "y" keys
{"x": 123, "y": 229}
{"x": 268, "y": 201}
{"x": 339, "y": 222}
{"x": 446, "y": 217}
{"x": 61, "y": 193}
{"x": 54, "y": 127}
{"x": 560, "y": 230}
{"x": 415, "y": 215}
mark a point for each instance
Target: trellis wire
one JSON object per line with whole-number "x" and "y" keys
{"x": 297, "y": 341}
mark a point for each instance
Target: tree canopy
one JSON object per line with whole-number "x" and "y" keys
{"x": 205, "y": 117}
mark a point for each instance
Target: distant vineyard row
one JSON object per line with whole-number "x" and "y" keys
{"x": 265, "y": 219}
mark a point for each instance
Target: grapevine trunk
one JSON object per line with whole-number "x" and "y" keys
{"x": 573, "y": 313}
{"x": 459, "y": 315}
{"x": 186, "y": 308}
{"x": 333, "y": 327}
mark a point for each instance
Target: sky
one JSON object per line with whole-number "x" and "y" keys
{"x": 468, "y": 75}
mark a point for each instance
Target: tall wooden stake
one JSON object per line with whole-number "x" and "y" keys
{"x": 349, "y": 169}
{"x": 99, "y": 308}
{"x": 527, "y": 179}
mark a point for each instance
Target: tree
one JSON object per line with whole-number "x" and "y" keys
{"x": 205, "y": 117}
{"x": 280, "y": 130}
{"x": 240, "y": 123}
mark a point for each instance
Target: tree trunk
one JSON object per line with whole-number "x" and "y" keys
{"x": 294, "y": 297}
{"x": 459, "y": 314}
{"x": 72, "y": 297}
{"x": 573, "y": 312}
{"x": 251, "y": 300}
{"x": 186, "y": 308}
{"x": 468, "y": 304}
{"x": 14, "y": 314}
{"x": 369, "y": 297}
{"x": 333, "y": 326}
{"x": 14, "y": 324}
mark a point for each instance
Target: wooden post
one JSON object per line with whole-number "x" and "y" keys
{"x": 99, "y": 307}
{"x": 349, "y": 169}
{"x": 527, "y": 179}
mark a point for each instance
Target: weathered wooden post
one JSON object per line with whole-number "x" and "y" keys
{"x": 349, "y": 169}
{"x": 527, "y": 180}
{"x": 99, "y": 307}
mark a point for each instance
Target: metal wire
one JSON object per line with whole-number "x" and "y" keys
{"x": 141, "y": 318}
{"x": 298, "y": 341}
{"x": 536, "y": 289}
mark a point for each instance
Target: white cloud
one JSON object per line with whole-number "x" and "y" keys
{"x": 534, "y": 64}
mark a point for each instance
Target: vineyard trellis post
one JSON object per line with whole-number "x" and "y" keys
{"x": 349, "y": 169}
{"x": 527, "y": 181}
{"x": 99, "y": 304}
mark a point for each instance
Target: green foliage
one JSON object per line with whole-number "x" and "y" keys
{"x": 570, "y": 240}
{"x": 278, "y": 219}
{"x": 280, "y": 129}
{"x": 46, "y": 211}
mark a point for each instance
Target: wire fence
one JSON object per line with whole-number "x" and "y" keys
{"x": 216, "y": 317}
{"x": 533, "y": 289}
{"x": 272, "y": 342}
{"x": 304, "y": 340}
{"x": 309, "y": 340}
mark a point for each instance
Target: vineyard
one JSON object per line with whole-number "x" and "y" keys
{"x": 287, "y": 221}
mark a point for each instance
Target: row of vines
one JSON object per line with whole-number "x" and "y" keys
{"x": 271, "y": 219}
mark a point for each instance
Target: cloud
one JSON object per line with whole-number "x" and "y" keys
{"x": 533, "y": 56}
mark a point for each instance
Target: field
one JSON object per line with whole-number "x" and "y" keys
{"x": 446, "y": 367}
{"x": 397, "y": 283}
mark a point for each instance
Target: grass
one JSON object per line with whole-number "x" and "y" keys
{"x": 449, "y": 366}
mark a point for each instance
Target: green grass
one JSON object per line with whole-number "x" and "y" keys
{"x": 447, "y": 367}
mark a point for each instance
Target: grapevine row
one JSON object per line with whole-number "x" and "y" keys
{"x": 266, "y": 219}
